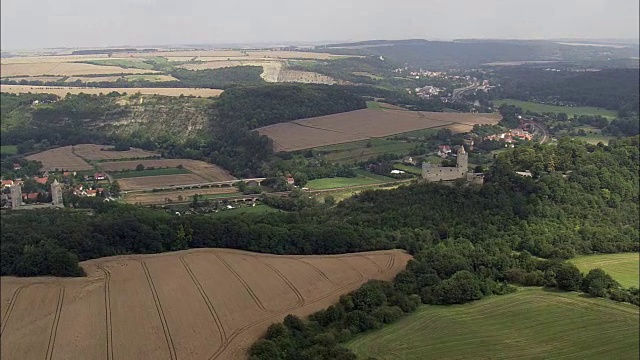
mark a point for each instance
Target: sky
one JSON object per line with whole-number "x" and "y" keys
{"x": 33, "y": 24}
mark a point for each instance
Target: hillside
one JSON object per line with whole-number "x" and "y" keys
{"x": 473, "y": 53}
{"x": 531, "y": 323}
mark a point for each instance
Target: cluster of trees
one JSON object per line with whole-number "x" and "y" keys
{"x": 265, "y": 105}
{"x": 372, "y": 305}
{"x": 615, "y": 89}
{"x": 206, "y": 78}
{"x": 552, "y": 215}
{"x": 451, "y": 272}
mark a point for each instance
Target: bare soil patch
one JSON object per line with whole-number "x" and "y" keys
{"x": 106, "y": 152}
{"x": 160, "y": 181}
{"x": 64, "y": 69}
{"x": 194, "y": 304}
{"x": 304, "y": 77}
{"x": 363, "y": 124}
{"x": 150, "y": 198}
{"x": 61, "y": 158}
{"x": 209, "y": 172}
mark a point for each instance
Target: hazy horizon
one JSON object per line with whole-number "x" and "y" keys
{"x": 39, "y": 24}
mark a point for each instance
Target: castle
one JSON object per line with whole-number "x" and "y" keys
{"x": 432, "y": 173}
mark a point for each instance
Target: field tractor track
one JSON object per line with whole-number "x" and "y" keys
{"x": 163, "y": 319}
{"x": 390, "y": 262}
{"x": 107, "y": 311}
{"x": 318, "y": 271}
{"x": 214, "y": 314}
{"x": 243, "y": 282}
{"x": 301, "y": 299}
{"x": 54, "y": 325}
{"x": 12, "y": 303}
{"x": 380, "y": 270}
{"x": 360, "y": 275}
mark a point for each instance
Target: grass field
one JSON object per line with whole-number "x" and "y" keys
{"x": 364, "y": 150}
{"x": 8, "y": 149}
{"x": 258, "y": 209}
{"x": 624, "y": 268}
{"x": 570, "y": 111}
{"x": 528, "y": 324}
{"x": 149, "y": 172}
{"x": 123, "y": 63}
{"x": 338, "y": 182}
{"x": 408, "y": 168}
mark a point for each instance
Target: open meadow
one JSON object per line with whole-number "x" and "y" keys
{"x": 362, "y": 125}
{"x": 624, "y": 268}
{"x": 569, "y": 110}
{"x": 531, "y": 324}
{"x": 62, "y": 91}
{"x": 194, "y": 304}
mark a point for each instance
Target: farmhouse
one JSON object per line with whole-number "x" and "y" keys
{"x": 433, "y": 173}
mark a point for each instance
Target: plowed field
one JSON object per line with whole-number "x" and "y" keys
{"x": 194, "y": 304}
{"x": 365, "y": 124}
{"x": 209, "y": 172}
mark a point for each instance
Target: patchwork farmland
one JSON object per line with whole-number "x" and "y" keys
{"x": 62, "y": 91}
{"x": 171, "y": 305}
{"x": 74, "y": 157}
{"x": 365, "y": 124}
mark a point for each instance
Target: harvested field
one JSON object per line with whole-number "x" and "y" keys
{"x": 209, "y": 172}
{"x": 363, "y": 124}
{"x": 106, "y": 152}
{"x": 304, "y": 77}
{"x": 62, "y": 91}
{"x": 172, "y": 303}
{"x": 151, "y": 198}
{"x": 64, "y": 69}
{"x": 60, "y": 158}
{"x": 248, "y": 54}
{"x": 160, "y": 181}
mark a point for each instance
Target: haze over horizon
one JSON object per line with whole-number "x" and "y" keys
{"x": 90, "y": 23}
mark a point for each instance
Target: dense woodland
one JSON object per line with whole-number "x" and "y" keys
{"x": 614, "y": 89}
{"x": 468, "y": 241}
{"x": 592, "y": 209}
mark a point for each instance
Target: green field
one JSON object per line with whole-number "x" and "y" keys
{"x": 258, "y": 209}
{"x": 624, "y": 268}
{"x": 529, "y": 324}
{"x": 338, "y": 182}
{"x": 570, "y": 111}
{"x": 363, "y": 150}
{"x": 8, "y": 149}
{"x": 408, "y": 168}
{"x": 123, "y": 63}
{"x": 149, "y": 172}
{"x": 374, "y": 105}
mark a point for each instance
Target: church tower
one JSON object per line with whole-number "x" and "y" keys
{"x": 462, "y": 162}
{"x": 56, "y": 194}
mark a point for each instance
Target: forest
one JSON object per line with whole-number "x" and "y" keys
{"x": 583, "y": 199}
{"x": 614, "y": 89}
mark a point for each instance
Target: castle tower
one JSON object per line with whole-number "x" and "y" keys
{"x": 16, "y": 196}
{"x": 462, "y": 161}
{"x": 56, "y": 193}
